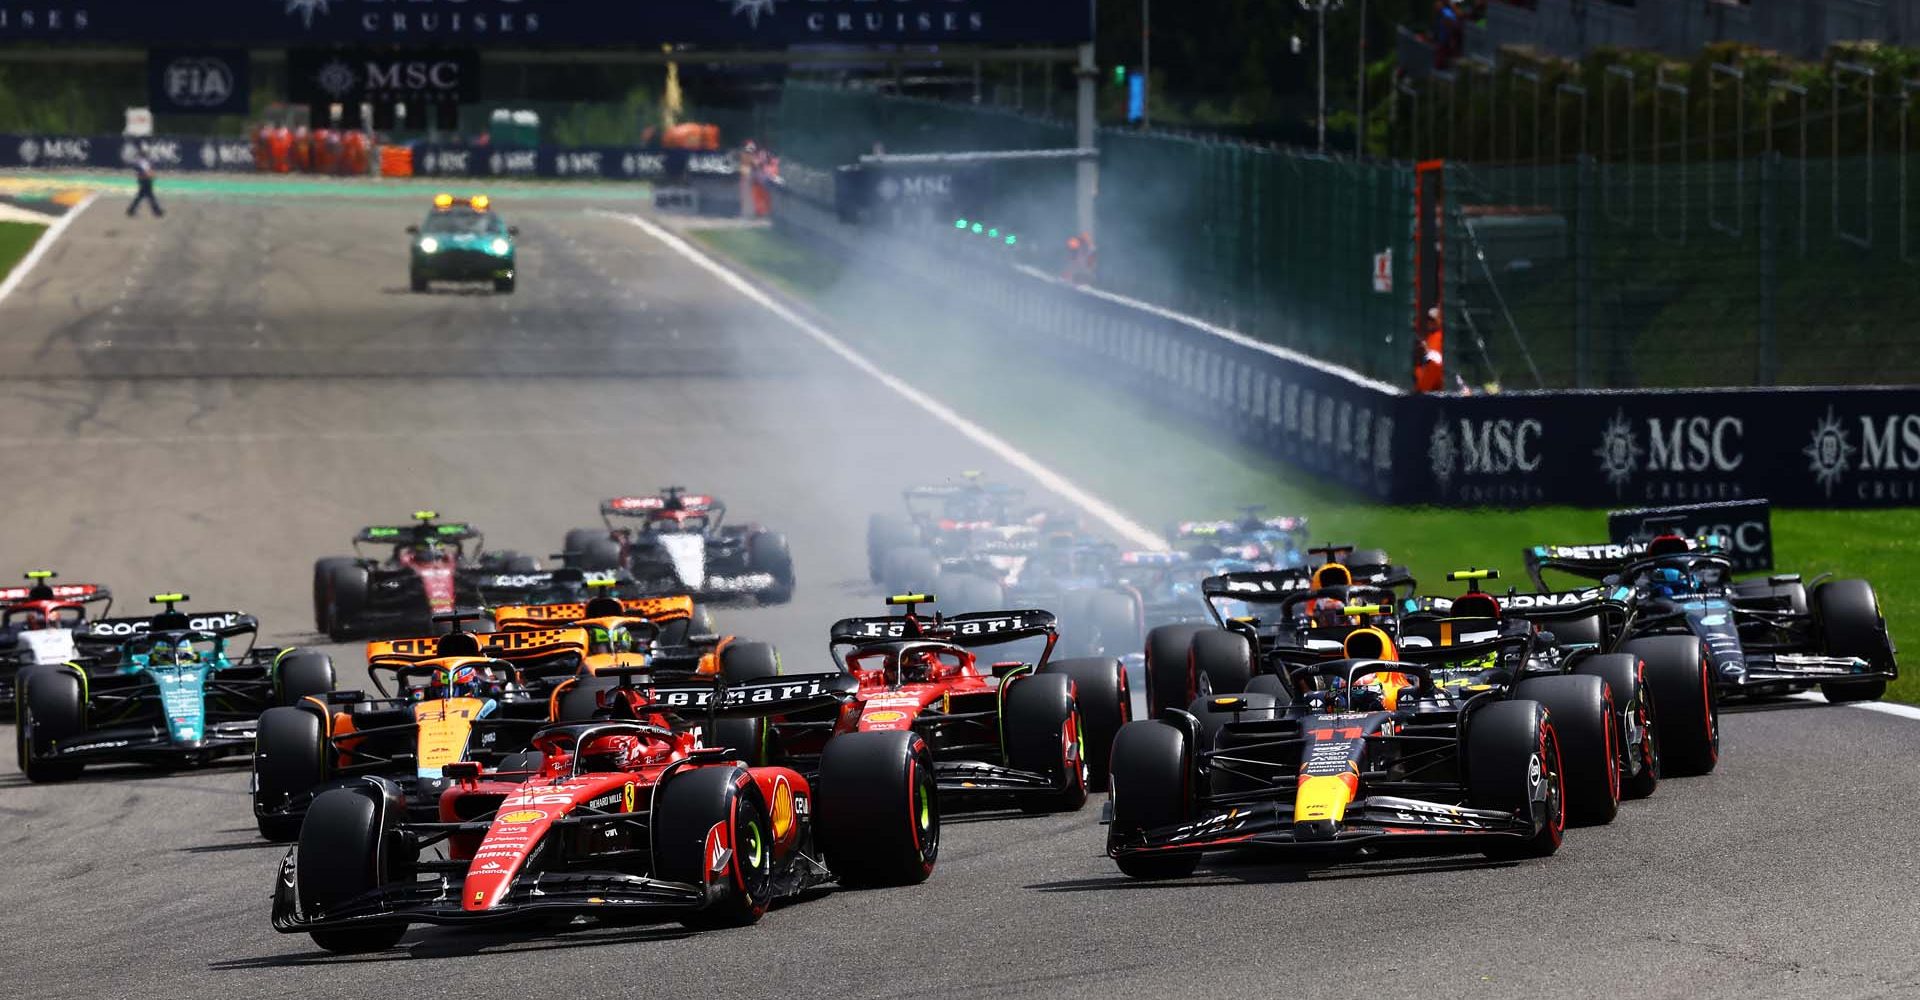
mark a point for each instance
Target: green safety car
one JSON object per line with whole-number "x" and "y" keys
{"x": 462, "y": 239}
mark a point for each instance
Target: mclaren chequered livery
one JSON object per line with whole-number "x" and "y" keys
{"x": 167, "y": 690}
{"x": 676, "y": 542}
{"x": 441, "y": 699}
{"x": 624, "y": 820}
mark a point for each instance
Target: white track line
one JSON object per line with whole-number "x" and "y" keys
{"x": 1134, "y": 533}
{"x": 1883, "y": 707}
{"x": 40, "y": 248}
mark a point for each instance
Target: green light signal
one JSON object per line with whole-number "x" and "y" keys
{"x": 978, "y": 229}
{"x": 959, "y": 223}
{"x": 1010, "y": 239}
{"x": 1120, "y": 76}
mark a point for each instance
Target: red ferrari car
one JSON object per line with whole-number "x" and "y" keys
{"x": 620, "y": 819}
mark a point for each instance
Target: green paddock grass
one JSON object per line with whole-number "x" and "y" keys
{"x": 16, "y": 238}
{"x": 1162, "y": 468}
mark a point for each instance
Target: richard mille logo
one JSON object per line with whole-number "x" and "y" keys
{"x": 753, "y": 9}
{"x": 307, "y": 8}
{"x": 1619, "y": 451}
{"x": 1830, "y": 453}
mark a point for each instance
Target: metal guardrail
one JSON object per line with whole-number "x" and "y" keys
{"x": 1837, "y": 447}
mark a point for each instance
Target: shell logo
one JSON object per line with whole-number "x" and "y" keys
{"x": 782, "y": 817}
{"x": 884, "y": 716}
{"x": 522, "y": 816}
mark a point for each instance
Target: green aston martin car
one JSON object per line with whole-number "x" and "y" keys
{"x": 462, "y": 240}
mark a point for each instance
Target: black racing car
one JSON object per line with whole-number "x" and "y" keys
{"x": 433, "y": 567}
{"x": 675, "y": 542}
{"x": 1762, "y": 637}
{"x": 166, "y": 690}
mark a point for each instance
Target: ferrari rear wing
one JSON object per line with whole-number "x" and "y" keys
{"x": 690, "y": 695}
{"x": 980, "y": 628}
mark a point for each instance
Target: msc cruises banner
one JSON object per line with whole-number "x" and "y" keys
{"x": 572, "y": 23}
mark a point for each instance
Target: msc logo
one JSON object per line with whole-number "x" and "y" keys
{"x": 753, "y": 9}
{"x": 1886, "y": 444}
{"x": 198, "y": 82}
{"x": 1484, "y": 447}
{"x": 1676, "y": 445}
{"x": 306, "y": 9}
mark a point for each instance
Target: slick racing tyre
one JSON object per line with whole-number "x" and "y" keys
{"x": 350, "y": 844}
{"x": 346, "y": 598}
{"x": 1514, "y": 766}
{"x": 301, "y": 674}
{"x": 1216, "y": 710}
{"x": 1582, "y": 712}
{"x": 1222, "y": 661}
{"x": 703, "y": 802}
{"x": 323, "y": 571}
{"x": 911, "y": 571}
{"x": 1850, "y": 625}
{"x": 417, "y": 282}
{"x": 586, "y": 549}
{"x": 1105, "y": 704}
{"x": 1041, "y": 727}
{"x": 1152, "y": 767}
{"x": 885, "y": 533}
{"x": 1686, "y": 702}
{"x": 961, "y": 593}
{"x": 1633, "y": 736}
{"x": 767, "y": 553}
{"x": 1170, "y": 682}
{"x": 579, "y": 700}
{"x": 745, "y": 737}
{"x": 876, "y": 814}
{"x": 289, "y": 759}
{"x": 1114, "y": 620}
{"x": 50, "y": 707}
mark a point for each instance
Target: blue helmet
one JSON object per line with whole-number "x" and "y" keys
{"x": 1670, "y": 582}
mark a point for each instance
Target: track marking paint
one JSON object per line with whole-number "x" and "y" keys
{"x": 39, "y": 250}
{"x": 1892, "y": 708}
{"x": 1127, "y": 528}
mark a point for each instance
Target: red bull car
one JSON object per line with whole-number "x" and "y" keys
{"x": 40, "y": 622}
{"x": 432, "y": 568}
{"x": 619, "y": 819}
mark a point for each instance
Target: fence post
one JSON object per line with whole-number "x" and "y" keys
{"x": 1768, "y": 359}
{"x": 1583, "y": 272}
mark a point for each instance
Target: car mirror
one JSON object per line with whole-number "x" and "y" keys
{"x": 413, "y": 230}
{"x": 513, "y": 230}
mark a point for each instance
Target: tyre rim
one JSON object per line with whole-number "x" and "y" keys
{"x": 1556, "y": 790}
{"x": 755, "y": 847}
{"x": 1642, "y": 717}
{"x": 1613, "y": 752}
{"x": 926, "y": 815}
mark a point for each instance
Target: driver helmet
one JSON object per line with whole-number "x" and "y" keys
{"x": 917, "y": 665}
{"x": 613, "y": 639}
{"x": 463, "y": 681}
{"x": 172, "y": 652}
{"x": 1670, "y": 582}
{"x": 1326, "y": 611}
{"x": 611, "y": 752}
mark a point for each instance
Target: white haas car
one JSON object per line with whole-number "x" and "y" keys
{"x": 38, "y": 622}
{"x": 675, "y": 542}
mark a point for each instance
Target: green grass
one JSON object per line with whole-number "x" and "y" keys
{"x": 1162, "y": 468}
{"x": 16, "y": 238}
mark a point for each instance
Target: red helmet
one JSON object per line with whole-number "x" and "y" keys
{"x": 611, "y": 752}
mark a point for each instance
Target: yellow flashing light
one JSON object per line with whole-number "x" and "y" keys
{"x": 443, "y": 201}
{"x": 41, "y": 574}
{"x": 167, "y": 598}
{"x": 425, "y": 515}
{"x": 479, "y": 202}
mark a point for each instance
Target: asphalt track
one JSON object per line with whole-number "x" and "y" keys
{"x": 211, "y": 401}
